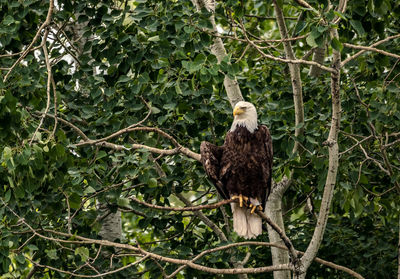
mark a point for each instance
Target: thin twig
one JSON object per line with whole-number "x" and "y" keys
{"x": 348, "y": 59}
{"x": 29, "y": 48}
{"x": 48, "y": 87}
{"x": 366, "y": 48}
{"x": 188, "y": 208}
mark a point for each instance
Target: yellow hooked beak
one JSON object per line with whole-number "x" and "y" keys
{"x": 237, "y": 111}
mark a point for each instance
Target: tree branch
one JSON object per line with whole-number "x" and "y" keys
{"x": 29, "y": 48}
{"x": 218, "y": 49}
{"x": 188, "y": 208}
{"x": 89, "y": 276}
{"x": 48, "y": 87}
{"x": 332, "y": 143}
{"x": 366, "y": 48}
{"x": 348, "y": 59}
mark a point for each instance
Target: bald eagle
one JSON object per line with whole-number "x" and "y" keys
{"x": 241, "y": 168}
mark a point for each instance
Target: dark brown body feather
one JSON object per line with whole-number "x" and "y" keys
{"x": 242, "y": 165}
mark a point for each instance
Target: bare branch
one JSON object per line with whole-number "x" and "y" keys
{"x": 366, "y": 48}
{"x": 69, "y": 124}
{"x": 355, "y": 145}
{"x": 348, "y": 59}
{"x": 204, "y": 218}
{"x": 188, "y": 208}
{"x": 89, "y": 276}
{"x": 282, "y": 235}
{"x": 217, "y": 270}
{"x": 102, "y": 142}
{"x": 48, "y": 89}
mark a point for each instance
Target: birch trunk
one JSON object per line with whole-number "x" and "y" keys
{"x": 332, "y": 143}
{"x": 218, "y": 49}
{"x": 274, "y": 204}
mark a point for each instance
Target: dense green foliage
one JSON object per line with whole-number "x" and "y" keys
{"x": 157, "y": 53}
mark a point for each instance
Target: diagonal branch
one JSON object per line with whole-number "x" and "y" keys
{"x": 348, "y": 59}
{"x": 29, "y": 48}
{"x": 188, "y": 208}
{"x": 366, "y": 48}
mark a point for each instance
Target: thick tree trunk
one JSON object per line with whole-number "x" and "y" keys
{"x": 318, "y": 56}
{"x": 332, "y": 143}
{"x": 111, "y": 228}
{"x": 274, "y": 211}
{"x": 218, "y": 49}
{"x": 274, "y": 204}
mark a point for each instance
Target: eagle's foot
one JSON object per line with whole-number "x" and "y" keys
{"x": 254, "y": 207}
{"x": 241, "y": 199}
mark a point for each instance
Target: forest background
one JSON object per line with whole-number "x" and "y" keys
{"x": 104, "y": 104}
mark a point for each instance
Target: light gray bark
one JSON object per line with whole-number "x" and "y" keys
{"x": 218, "y": 49}
{"x": 274, "y": 211}
{"x": 332, "y": 143}
{"x": 318, "y": 56}
{"x": 111, "y": 228}
{"x": 274, "y": 204}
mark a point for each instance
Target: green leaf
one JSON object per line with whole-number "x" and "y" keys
{"x": 336, "y": 44}
{"x": 363, "y": 179}
{"x": 7, "y": 153}
{"x": 152, "y": 182}
{"x": 101, "y": 154}
{"x": 155, "y": 110}
{"x": 20, "y": 258}
{"x": 83, "y": 252}
{"x": 8, "y": 20}
{"x": 124, "y": 202}
{"x": 358, "y": 27}
{"x": 7, "y": 196}
{"x": 339, "y": 14}
{"x": 32, "y": 247}
{"x": 311, "y": 40}
{"x": 154, "y": 39}
{"x": 11, "y": 181}
{"x": 52, "y": 254}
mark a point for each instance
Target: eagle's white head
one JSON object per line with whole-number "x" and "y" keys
{"x": 245, "y": 115}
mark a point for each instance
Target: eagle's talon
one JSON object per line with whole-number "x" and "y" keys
{"x": 254, "y": 207}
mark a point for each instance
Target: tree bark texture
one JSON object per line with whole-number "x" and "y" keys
{"x": 218, "y": 49}
{"x": 332, "y": 143}
{"x": 274, "y": 204}
{"x": 274, "y": 211}
{"x": 318, "y": 56}
{"x": 295, "y": 77}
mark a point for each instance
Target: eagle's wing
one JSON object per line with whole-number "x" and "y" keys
{"x": 210, "y": 158}
{"x": 267, "y": 164}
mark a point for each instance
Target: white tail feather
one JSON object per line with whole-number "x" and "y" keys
{"x": 245, "y": 224}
